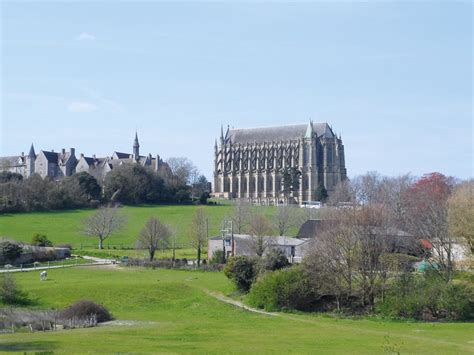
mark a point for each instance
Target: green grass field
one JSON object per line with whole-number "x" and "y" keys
{"x": 66, "y": 226}
{"x": 169, "y": 311}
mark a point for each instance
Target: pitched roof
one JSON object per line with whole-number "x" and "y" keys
{"x": 312, "y": 227}
{"x": 51, "y": 157}
{"x": 122, "y": 155}
{"x": 280, "y": 133}
{"x": 280, "y": 240}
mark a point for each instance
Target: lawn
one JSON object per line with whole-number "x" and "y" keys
{"x": 65, "y": 227}
{"x": 170, "y": 311}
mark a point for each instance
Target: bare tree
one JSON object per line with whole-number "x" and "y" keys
{"x": 241, "y": 215}
{"x": 153, "y": 236}
{"x": 286, "y": 217}
{"x": 199, "y": 232}
{"x": 259, "y": 227}
{"x": 343, "y": 192}
{"x": 182, "y": 171}
{"x": 103, "y": 224}
{"x": 461, "y": 215}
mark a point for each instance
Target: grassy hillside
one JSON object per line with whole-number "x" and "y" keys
{"x": 169, "y": 311}
{"x": 65, "y": 226}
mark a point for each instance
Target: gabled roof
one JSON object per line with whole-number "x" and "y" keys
{"x": 279, "y": 133}
{"x": 122, "y": 155}
{"x": 51, "y": 157}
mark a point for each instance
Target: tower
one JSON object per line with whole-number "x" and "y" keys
{"x": 30, "y": 162}
{"x": 136, "y": 148}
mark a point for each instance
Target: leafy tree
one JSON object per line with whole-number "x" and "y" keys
{"x": 241, "y": 270}
{"x": 103, "y": 224}
{"x": 290, "y": 181}
{"x": 274, "y": 260}
{"x": 10, "y": 250}
{"x": 7, "y": 176}
{"x": 41, "y": 240}
{"x": 321, "y": 194}
{"x": 89, "y": 185}
{"x": 153, "y": 236}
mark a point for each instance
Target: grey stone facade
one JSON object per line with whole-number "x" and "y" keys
{"x": 57, "y": 165}
{"x": 249, "y": 163}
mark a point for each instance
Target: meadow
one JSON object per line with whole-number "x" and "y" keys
{"x": 171, "y": 311}
{"x": 65, "y": 227}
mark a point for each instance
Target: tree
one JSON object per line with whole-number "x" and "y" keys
{"x": 133, "y": 184}
{"x": 367, "y": 187}
{"x": 182, "y": 170}
{"x": 153, "y": 236}
{"x": 461, "y": 214}
{"x": 343, "y": 192}
{"x": 290, "y": 181}
{"x": 241, "y": 215}
{"x": 89, "y": 185}
{"x": 286, "y": 217}
{"x": 321, "y": 194}
{"x": 199, "y": 232}
{"x": 10, "y": 250}
{"x": 259, "y": 228}
{"x": 103, "y": 224}
{"x": 427, "y": 217}
{"x": 241, "y": 270}
{"x": 41, "y": 240}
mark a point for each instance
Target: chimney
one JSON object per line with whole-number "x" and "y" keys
{"x": 63, "y": 151}
{"x": 73, "y": 151}
{"x": 22, "y": 154}
{"x": 82, "y": 155}
{"x": 93, "y": 156}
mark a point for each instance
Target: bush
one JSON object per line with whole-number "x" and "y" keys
{"x": 41, "y": 240}
{"x": 274, "y": 260}
{"x": 241, "y": 270}
{"x": 427, "y": 297}
{"x": 85, "y": 309}
{"x": 284, "y": 289}
{"x": 10, "y": 250}
{"x": 217, "y": 257}
{"x": 10, "y": 293}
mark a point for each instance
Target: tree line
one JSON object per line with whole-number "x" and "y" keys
{"x": 178, "y": 182}
{"x": 364, "y": 259}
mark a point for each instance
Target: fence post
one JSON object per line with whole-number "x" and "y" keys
{"x": 21, "y": 267}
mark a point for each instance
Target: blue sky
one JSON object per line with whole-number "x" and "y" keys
{"x": 395, "y": 78}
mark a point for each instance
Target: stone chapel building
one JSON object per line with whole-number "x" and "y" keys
{"x": 250, "y": 163}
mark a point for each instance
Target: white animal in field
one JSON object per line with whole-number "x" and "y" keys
{"x": 43, "y": 275}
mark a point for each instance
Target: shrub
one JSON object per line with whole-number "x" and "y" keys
{"x": 242, "y": 271}
{"x": 427, "y": 297}
{"x": 85, "y": 309}
{"x": 217, "y": 257}
{"x": 10, "y": 293}
{"x": 274, "y": 260}
{"x": 10, "y": 250}
{"x": 41, "y": 240}
{"x": 284, "y": 289}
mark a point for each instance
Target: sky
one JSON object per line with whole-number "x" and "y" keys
{"x": 393, "y": 78}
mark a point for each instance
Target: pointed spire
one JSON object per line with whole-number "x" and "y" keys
{"x": 215, "y": 145}
{"x": 32, "y": 153}
{"x": 135, "y": 142}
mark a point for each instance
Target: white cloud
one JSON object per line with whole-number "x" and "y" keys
{"x": 81, "y": 106}
{"x": 85, "y": 36}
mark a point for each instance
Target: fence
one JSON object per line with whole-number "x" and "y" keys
{"x": 47, "y": 265}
